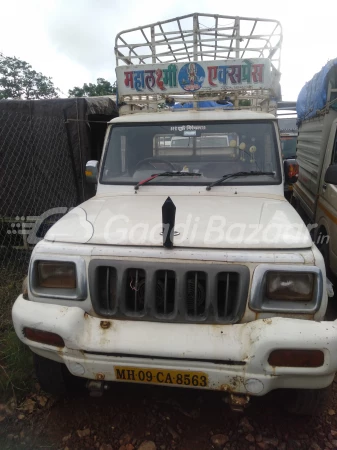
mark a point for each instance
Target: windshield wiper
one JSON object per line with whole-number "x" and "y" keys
{"x": 166, "y": 174}
{"x": 236, "y": 174}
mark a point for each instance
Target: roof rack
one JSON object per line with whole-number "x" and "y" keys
{"x": 235, "y": 44}
{"x": 201, "y": 37}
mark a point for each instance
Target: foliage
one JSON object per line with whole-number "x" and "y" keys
{"x": 18, "y": 80}
{"x": 244, "y": 102}
{"x": 16, "y": 363}
{"x": 16, "y": 366}
{"x": 103, "y": 87}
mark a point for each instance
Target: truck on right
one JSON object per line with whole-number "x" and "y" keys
{"x": 315, "y": 194}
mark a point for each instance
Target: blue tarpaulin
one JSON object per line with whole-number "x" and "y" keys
{"x": 313, "y": 95}
{"x": 204, "y": 104}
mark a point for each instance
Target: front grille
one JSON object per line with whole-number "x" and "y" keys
{"x": 196, "y": 283}
{"x": 169, "y": 292}
{"x": 107, "y": 280}
{"x": 227, "y": 284}
{"x": 135, "y": 290}
{"x": 165, "y": 291}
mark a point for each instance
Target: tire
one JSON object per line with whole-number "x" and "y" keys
{"x": 308, "y": 402}
{"x": 51, "y": 375}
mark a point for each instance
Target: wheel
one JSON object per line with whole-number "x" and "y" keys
{"x": 149, "y": 162}
{"x": 308, "y": 402}
{"x": 51, "y": 375}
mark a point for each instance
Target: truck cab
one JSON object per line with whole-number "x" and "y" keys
{"x": 188, "y": 268}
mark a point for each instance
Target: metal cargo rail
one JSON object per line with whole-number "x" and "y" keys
{"x": 200, "y": 39}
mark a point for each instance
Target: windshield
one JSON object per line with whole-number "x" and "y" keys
{"x": 211, "y": 150}
{"x": 288, "y": 145}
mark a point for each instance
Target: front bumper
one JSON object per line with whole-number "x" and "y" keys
{"x": 235, "y": 357}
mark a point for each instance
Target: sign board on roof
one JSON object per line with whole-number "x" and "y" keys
{"x": 202, "y": 76}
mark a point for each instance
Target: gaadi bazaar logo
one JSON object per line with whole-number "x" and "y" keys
{"x": 191, "y": 77}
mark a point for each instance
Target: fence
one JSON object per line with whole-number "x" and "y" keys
{"x": 37, "y": 185}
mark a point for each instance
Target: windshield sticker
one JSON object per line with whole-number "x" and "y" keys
{"x": 190, "y": 133}
{"x": 188, "y": 128}
{"x": 242, "y": 148}
{"x": 252, "y": 151}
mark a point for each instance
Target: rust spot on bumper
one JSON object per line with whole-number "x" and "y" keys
{"x": 99, "y": 376}
{"x": 105, "y": 324}
{"x": 226, "y": 388}
{"x": 233, "y": 384}
{"x": 268, "y": 321}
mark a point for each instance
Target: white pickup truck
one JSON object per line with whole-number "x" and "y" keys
{"x": 188, "y": 268}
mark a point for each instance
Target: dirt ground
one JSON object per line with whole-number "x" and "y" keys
{"x": 164, "y": 418}
{"x": 131, "y": 417}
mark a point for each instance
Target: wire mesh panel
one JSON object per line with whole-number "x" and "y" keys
{"x": 37, "y": 185}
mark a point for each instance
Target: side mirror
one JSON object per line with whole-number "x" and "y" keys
{"x": 291, "y": 170}
{"x": 91, "y": 172}
{"x": 331, "y": 174}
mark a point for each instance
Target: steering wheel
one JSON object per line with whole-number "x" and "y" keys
{"x": 151, "y": 160}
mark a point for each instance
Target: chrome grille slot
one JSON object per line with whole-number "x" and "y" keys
{"x": 135, "y": 290}
{"x": 165, "y": 291}
{"x": 196, "y": 286}
{"x": 227, "y": 293}
{"x": 107, "y": 286}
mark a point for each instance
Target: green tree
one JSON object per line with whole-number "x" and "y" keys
{"x": 18, "y": 80}
{"x": 103, "y": 87}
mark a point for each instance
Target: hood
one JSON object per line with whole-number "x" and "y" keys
{"x": 208, "y": 221}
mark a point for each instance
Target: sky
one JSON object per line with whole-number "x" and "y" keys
{"x": 72, "y": 41}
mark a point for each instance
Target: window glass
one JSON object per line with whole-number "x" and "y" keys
{"x": 136, "y": 152}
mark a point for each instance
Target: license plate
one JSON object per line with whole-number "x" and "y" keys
{"x": 161, "y": 376}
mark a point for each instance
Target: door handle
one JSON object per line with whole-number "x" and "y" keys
{"x": 324, "y": 187}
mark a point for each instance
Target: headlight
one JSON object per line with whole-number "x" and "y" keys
{"x": 55, "y": 276}
{"x": 286, "y": 289}
{"x": 60, "y": 275}
{"x": 290, "y": 286}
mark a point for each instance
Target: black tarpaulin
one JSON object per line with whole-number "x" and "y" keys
{"x": 44, "y": 146}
